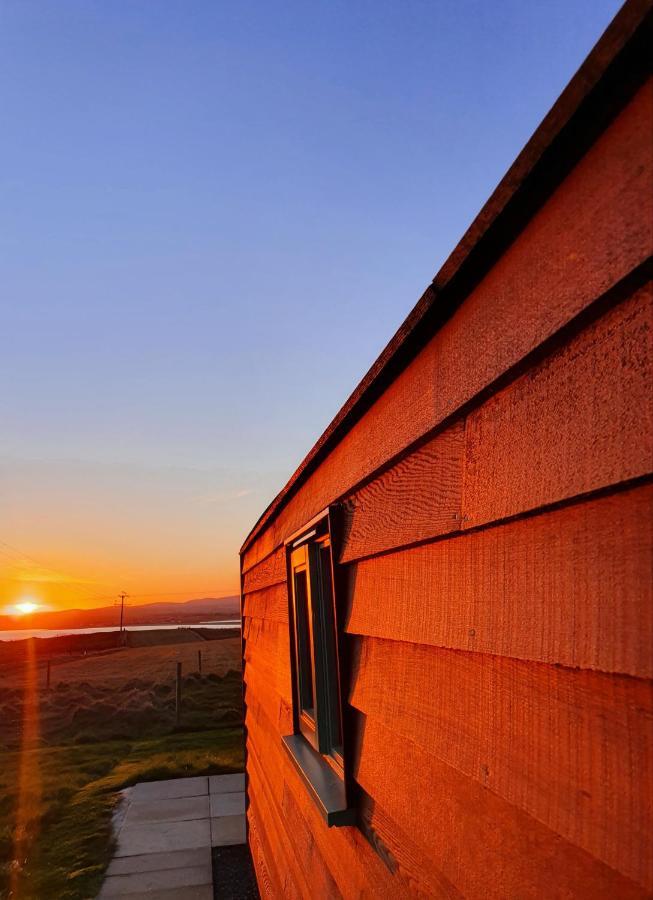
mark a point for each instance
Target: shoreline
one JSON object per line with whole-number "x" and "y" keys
{"x": 49, "y": 633}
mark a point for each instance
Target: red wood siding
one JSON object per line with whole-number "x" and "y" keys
{"x": 591, "y": 234}
{"x": 497, "y": 552}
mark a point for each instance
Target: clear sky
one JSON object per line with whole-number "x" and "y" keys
{"x": 213, "y": 216}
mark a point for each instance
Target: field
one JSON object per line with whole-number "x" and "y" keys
{"x": 106, "y": 721}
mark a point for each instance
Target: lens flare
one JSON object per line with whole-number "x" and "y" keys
{"x": 28, "y": 811}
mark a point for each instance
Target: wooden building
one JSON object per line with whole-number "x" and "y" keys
{"x": 447, "y": 611}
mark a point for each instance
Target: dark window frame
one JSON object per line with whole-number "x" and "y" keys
{"x": 316, "y": 747}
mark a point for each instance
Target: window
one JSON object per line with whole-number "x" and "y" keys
{"x": 316, "y": 747}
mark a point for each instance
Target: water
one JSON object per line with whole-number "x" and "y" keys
{"x": 20, "y": 634}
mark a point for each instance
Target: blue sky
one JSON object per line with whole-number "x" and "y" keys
{"x": 214, "y": 216}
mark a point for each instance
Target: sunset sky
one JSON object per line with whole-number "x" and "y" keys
{"x": 214, "y": 216}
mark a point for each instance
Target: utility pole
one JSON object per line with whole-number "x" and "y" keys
{"x": 123, "y": 596}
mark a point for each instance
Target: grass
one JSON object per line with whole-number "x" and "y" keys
{"x": 97, "y": 736}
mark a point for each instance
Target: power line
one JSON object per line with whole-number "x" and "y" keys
{"x": 20, "y": 556}
{"x": 178, "y": 593}
{"x": 10, "y": 551}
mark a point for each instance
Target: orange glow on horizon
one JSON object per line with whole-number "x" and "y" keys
{"x": 25, "y": 597}
{"x": 61, "y": 580}
{"x": 173, "y": 535}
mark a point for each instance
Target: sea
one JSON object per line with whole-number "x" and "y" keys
{"x": 21, "y": 634}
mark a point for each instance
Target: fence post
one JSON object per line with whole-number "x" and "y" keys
{"x": 199, "y": 661}
{"x": 178, "y": 695}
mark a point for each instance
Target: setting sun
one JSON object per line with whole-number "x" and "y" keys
{"x": 26, "y": 607}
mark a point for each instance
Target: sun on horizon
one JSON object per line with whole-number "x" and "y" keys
{"x": 23, "y": 608}
{"x": 26, "y": 607}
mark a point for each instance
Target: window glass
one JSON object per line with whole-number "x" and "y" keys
{"x": 329, "y": 638}
{"x": 304, "y": 643}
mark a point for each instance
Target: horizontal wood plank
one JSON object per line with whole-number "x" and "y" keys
{"x": 579, "y": 421}
{"x": 398, "y": 869}
{"x": 268, "y": 603}
{"x": 571, "y": 586}
{"x": 415, "y": 870}
{"x": 353, "y": 863}
{"x": 267, "y": 647}
{"x": 261, "y": 690}
{"x": 279, "y": 852}
{"x": 418, "y": 498}
{"x": 461, "y": 834}
{"x": 292, "y": 831}
{"x": 547, "y": 739}
{"x": 270, "y": 571}
{"x": 262, "y": 858}
{"x": 590, "y": 234}
{"x": 488, "y": 848}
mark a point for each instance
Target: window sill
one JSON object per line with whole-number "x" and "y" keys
{"x": 324, "y": 786}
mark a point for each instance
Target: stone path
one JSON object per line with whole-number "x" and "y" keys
{"x": 165, "y": 831}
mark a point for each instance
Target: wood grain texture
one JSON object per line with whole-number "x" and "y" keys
{"x": 261, "y": 692}
{"x": 591, "y": 233}
{"x": 572, "y": 748}
{"x": 485, "y": 846}
{"x": 580, "y": 420}
{"x": 444, "y": 833}
{"x": 416, "y": 872}
{"x": 267, "y": 648}
{"x": 291, "y": 832}
{"x": 279, "y": 855}
{"x": 418, "y": 498}
{"x": 269, "y": 571}
{"x": 319, "y": 876}
{"x": 305, "y": 860}
{"x": 464, "y": 839}
{"x": 262, "y": 857}
{"x": 354, "y": 865}
{"x": 269, "y": 603}
{"x": 266, "y": 768}
{"x": 570, "y": 586}
{"x": 359, "y": 869}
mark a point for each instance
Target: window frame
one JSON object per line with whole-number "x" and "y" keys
{"x": 317, "y": 745}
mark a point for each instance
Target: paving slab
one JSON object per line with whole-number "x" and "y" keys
{"x": 159, "y": 862}
{"x": 140, "y": 882}
{"x": 173, "y": 787}
{"x": 227, "y": 831}
{"x": 226, "y": 784}
{"x": 164, "y": 832}
{"x": 228, "y": 804}
{"x": 163, "y": 837}
{"x": 178, "y": 809}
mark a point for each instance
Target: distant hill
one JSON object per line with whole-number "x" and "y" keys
{"x": 189, "y": 611}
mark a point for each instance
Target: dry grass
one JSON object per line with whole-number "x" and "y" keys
{"x": 156, "y": 663}
{"x": 128, "y": 693}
